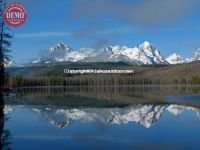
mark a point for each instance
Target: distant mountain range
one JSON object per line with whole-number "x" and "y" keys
{"x": 177, "y": 59}
{"x": 145, "y": 115}
{"x": 143, "y": 54}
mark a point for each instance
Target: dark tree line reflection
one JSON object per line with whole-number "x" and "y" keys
{"x": 4, "y": 133}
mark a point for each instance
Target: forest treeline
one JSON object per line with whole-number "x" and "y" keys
{"x": 100, "y": 80}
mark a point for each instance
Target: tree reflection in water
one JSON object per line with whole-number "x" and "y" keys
{"x": 4, "y": 133}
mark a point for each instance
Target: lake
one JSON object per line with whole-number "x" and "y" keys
{"x": 151, "y": 117}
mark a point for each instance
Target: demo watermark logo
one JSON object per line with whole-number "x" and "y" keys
{"x": 15, "y": 14}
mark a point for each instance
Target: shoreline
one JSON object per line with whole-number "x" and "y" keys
{"x": 109, "y": 86}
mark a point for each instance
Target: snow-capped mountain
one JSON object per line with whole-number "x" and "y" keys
{"x": 144, "y": 53}
{"x": 176, "y": 59}
{"x": 56, "y": 53}
{"x": 196, "y": 55}
{"x": 148, "y": 54}
{"x": 62, "y": 52}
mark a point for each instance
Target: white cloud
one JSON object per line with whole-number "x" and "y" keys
{"x": 41, "y": 34}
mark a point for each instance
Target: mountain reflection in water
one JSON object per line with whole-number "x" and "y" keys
{"x": 145, "y": 115}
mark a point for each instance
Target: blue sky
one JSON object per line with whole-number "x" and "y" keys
{"x": 170, "y": 25}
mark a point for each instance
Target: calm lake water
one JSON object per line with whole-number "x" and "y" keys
{"x": 160, "y": 117}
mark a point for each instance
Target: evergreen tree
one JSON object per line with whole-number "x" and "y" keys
{"x": 5, "y": 43}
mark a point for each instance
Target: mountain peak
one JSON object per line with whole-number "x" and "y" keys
{"x": 175, "y": 59}
{"x": 56, "y": 53}
{"x": 146, "y": 44}
{"x": 196, "y": 55}
{"x": 61, "y": 47}
{"x": 175, "y": 55}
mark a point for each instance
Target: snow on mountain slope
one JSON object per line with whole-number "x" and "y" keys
{"x": 176, "y": 59}
{"x": 107, "y": 54}
{"x": 145, "y": 53}
{"x": 55, "y": 53}
{"x": 196, "y": 55}
{"x": 59, "y": 53}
